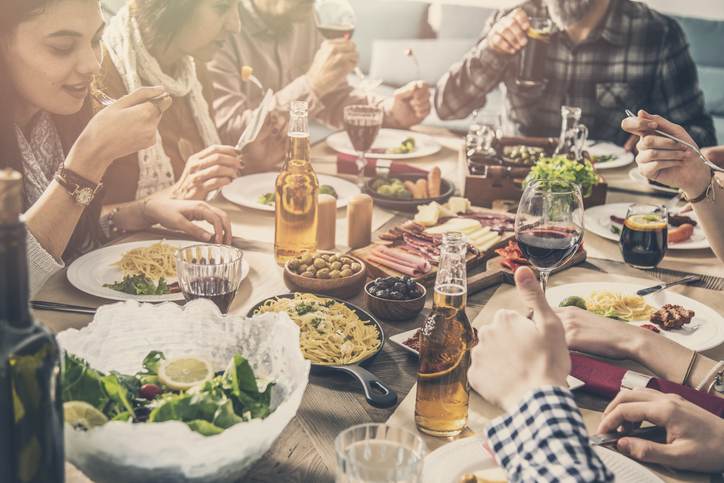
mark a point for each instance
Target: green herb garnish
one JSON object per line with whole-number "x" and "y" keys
{"x": 140, "y": 285}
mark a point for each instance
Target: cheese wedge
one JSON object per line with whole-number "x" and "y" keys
{"x": 463, "y": 225}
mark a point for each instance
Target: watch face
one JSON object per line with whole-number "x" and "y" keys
{"x": 84, "y": 196}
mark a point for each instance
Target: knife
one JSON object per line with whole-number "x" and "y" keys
{"x": 662, "y": 286}
{"x": 650, "y": 433}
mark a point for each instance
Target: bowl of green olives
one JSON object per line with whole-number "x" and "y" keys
{"x": 326, "y": 273}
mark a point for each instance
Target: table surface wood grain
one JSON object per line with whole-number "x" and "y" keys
{"x": 305, "y": 450}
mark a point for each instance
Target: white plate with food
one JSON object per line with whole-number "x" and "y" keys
{"x": 452, "y": 462}
{"x": 609, "y": 155}
{"x": 256, "y": 191}
{"x": 702, "y": 330}
{"x": 102, "y": 272}
{"x": 636, "y": 175}
{"x": 404, "y": 338}
{"x": 607, "y": 221}
{"x": 389, "y": 144}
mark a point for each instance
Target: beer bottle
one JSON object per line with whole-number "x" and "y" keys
{"x": 297, "y": 189}
{"x": 441, "y": 406}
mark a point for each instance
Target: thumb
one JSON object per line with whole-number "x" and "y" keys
{"x": 139, "y": 96}
{"x": 646, "y": 451}
{"x": 531, "y": 293}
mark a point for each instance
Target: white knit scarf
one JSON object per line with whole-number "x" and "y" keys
{"x": 137, "y": 67}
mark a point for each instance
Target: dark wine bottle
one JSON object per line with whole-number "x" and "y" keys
{"x": 31, "y": 408}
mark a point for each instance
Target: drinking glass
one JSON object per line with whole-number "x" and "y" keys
{"x": 644, "y": 236}
{"x": 377, "y": 453}
{"x": 211, "y": 272}
{"x": 362, "y": 123}
{"x": 335, "y": 18}
{"x": 549, "y": 225}
{"x": 534, "y": 55}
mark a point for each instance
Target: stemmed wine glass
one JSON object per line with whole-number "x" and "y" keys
{"x": 335, "y": 20}
{"x": 362, "y": 123}
{"x": 549, "y": 225}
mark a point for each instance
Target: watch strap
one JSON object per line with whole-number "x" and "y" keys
{"x": 81, "y": 189}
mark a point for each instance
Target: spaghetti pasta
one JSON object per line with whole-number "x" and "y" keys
{"x": 155, "y": 261}
{"x": 625, "y": 307}
{"x": 330, "y": 332}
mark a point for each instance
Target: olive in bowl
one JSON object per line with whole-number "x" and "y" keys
{"x": 332, "y": 274}
{"x": 395, "y": 298}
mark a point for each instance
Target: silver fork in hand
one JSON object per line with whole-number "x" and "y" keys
{"x": 684, "y": 143}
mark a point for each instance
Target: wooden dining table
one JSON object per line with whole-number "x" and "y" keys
{"x": 305, "y": 451}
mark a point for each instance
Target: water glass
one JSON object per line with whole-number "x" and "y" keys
{"x": 210, "y": 271}
{"x": 377, "y": 453}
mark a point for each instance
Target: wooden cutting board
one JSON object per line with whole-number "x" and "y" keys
{"x": 495, "y": 273}
{"x": 375, "y": 270}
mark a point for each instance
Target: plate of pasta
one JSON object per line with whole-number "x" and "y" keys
{"x": 335, "y": 335}
{"x": 700, "y": 327}
{"x": 143, "y": 271}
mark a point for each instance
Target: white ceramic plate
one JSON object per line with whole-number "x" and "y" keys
{"x": 387, "y": 138}
{"x": 400, "y": 339}
{"x": 450, "y": 462}
{"x": 601, "y": 148}
{"x": 598, "y": 220}
{"x": 705, "y": 331}
{"x": 246, "y": 190}
{"x": 91, "y": 271}
{"x": 635, "y": 175}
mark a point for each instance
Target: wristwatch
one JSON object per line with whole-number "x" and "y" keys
{"x": 82, "y": 190}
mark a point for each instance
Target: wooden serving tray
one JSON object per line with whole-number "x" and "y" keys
{"x": 495, "y": 273}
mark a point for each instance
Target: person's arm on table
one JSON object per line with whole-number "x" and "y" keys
{"x": 677, "y": 88}
{"x": 673, "y": 164}
{"x": 595, "y": 334}
{"x": 465, "y": 86}
{"x": 521, "y": 365}
{"x": 694, "y": 436}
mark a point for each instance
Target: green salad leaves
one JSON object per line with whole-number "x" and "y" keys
{"x": 139, "y": 284}
{"x": 208, "y": 408}
{"x": 560, "y": 171}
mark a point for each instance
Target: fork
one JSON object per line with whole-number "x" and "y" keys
{"x": 713, "y": 166}
{"x": 107, "y": 100}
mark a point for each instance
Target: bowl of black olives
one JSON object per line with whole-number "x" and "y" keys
{"x": 395, "y": 298}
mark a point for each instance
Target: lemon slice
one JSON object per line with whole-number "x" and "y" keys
{"x": 82, "y": 415}
{"x": 184, "y": 372}
{"x": 650, "y": 222}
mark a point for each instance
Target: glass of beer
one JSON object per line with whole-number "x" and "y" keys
{"x": 533, "y": 56}
{"x": 644, "y": 236}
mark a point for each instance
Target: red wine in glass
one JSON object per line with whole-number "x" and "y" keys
{"x": 547, "y": 248}
{"x": 216, "y": 289}
{"x": 331, "y": 32}
{"x": 362, "y": 133}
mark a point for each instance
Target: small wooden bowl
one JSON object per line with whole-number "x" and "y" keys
{"x": 395, "y": 310}
{"x": 342, "y": 288}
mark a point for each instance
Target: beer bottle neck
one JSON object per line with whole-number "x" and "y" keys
{"x": 452, "y": 270}
{"x": 14, "y": 286}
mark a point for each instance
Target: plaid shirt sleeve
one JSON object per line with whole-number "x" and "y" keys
{"x": 464, "y": 87}
{"x": 545, "y": 440}
{"x": 677, "y": 89}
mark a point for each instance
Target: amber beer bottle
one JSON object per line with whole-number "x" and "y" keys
{"x": 441, "y": 407}
{"x": 297, "y": 189}
{"x": 31, "y": 407}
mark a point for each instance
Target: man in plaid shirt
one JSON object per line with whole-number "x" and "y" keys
{"x": 609, "y": 55}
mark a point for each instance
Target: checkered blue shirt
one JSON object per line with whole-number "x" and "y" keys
{"x": 545, "y": 440}
{"x": 637, "y": 58}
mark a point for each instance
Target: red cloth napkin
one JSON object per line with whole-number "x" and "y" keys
{"x": 346, "y": 164}
{"x": 604, "y": 379}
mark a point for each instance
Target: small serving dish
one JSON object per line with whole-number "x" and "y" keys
{"x": 342, "y": 287}
{"x": 395, "y": 310}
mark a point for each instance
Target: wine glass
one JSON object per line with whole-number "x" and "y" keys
{"x": 335, "y": 20}
{"x": 211, "y": 272}
{"x": 549, "y": 225}
{"x": 362, "y": 123}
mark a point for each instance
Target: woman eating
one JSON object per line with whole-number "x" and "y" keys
{"x": 165, "y": 43}
{"x": 49, "y": 52}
